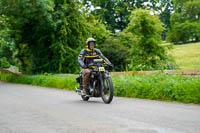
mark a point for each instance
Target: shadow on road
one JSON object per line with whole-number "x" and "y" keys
{"x": 92, "y": 101}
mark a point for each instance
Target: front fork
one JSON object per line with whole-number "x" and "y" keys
{"x": 103, "y": 76}
{"x": 101, "y": 83}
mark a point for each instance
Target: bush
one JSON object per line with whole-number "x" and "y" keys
{"x": 155, "y": 86}
{"x": 116, "y": 53}
{"x": 184, "y": 32}
{"x": 4, "y": 63}
{"x": 184, "y": 21}
{"x": 146, "y": 52}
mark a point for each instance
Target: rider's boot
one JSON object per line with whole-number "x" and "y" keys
{"x": 85, "y": 92}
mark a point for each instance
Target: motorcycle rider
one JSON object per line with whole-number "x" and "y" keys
{"x": 86, "y": 58}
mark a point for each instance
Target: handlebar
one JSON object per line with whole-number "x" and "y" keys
{"x": 99, "y": 62}
{"x": 96, "y": 64}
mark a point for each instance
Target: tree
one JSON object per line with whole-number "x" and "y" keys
{"x": 104, "y": 10}
{"x": 178, "y": 4}
{"x": 7, "y": 44}
{"x": 116, "y": 53}
{"x": 147, "y": 28}
{"x": 185, "y": 22}
{"x": 97, "y": 29}
{"x": 184, "y": 32}
{"x": 166, "y": 10}
{"x": 31, "y": 23}
{"x": 49, "y": 34}
{"x": 116, "y": 13}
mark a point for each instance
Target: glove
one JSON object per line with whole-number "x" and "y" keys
{"x": 84, "y": 67}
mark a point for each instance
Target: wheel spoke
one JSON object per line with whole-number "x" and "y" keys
{"x": 107, "y": 92}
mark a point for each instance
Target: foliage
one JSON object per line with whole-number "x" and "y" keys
{"x": 7, "y": 44}
{"x": 105, "y": 10}
{"x": 159, "y": 86}
{"x": 46, "y": 80}
{"x": 116, "y": 53}
{"x": 185, "y": 26}
{"x": 127, "y": 39}
{"x": 117, "y": 48}
{"x": 184, "y": 32}
{"x": 49, "y": 34}
{"x": 116, "y": 13}
{"x": 146, "y": 53}
{"x": 155, "y": 86}
{"x": 178, "y": 4}
{"x": 97, "y": 29}
{"x": 166, "y": 10}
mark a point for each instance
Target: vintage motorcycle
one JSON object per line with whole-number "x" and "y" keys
{"x": 100, "y": 84}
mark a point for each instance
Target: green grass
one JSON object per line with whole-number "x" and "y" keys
{"x": 158, "y": 86}
{"x": 48, "y": 80}
{"x": 154, "y": 86}
{"x": 187, "y": 56}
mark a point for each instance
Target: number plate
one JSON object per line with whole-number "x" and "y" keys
{"x": 101, "y": 69}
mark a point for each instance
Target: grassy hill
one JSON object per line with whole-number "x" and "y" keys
{"x": 187, "y": 56}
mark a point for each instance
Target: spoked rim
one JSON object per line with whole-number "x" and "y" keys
{"x": 106, "y": 88}
{"x": 107, "y": 92}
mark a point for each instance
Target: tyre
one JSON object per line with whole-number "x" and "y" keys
{"x": 85, "y": 98}
{"x": 107, "y": 90}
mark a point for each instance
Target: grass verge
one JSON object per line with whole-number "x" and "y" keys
{"x": 47, "y": 80}
{"x": 187, "y": 56}
{"x": 157, "y": 86}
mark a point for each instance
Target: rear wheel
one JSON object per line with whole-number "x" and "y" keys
{"x": 107, "y": 90}
{"x": 85, "y": 98}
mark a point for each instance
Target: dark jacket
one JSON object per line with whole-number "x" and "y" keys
{"x": 86, "y": 57}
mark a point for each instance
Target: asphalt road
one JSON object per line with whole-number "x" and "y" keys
{"x": 32, "y": 109}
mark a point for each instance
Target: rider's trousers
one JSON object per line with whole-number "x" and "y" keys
{"x": 86, "y": 77}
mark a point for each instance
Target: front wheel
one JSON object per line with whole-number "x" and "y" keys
{"x": 107, "y": 90}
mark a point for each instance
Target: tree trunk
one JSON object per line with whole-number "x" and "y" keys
{"x": 197, "y": 39}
